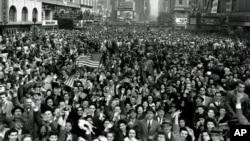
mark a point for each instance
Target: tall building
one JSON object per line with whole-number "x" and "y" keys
{"x": 164, "y": 12}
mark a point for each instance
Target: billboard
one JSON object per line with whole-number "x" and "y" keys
{"x": 215, "y": 6}
{"x": 181, "y": 20}
{"x": 125, "y": 15}
{"x": 126, "y": 5}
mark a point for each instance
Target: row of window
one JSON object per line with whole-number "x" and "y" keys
{"x": 13, "y": 14}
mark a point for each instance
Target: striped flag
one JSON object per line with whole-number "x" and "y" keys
{"x": 92, "y": 60}
{"x": 70, "y": 81}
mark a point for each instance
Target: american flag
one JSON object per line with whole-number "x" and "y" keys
{"x": 92, "y": 60}
{"x": 70, "y": 81}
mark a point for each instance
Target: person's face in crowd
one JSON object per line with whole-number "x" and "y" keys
{"x": 18, "y": 124}
{"x": 210, "y": 125}
{"x": 3, "y": 98}
{"x": 206, "y": 136}
{"x": 150, "y": 115}
{"x": 85, "y": 104}
{"x": 140, "y": 110}
{"x": 167, "y": 128}
{"x": 202, "y": 91}
{"x": 53, "y": 138}
{"x": 13, "y": 136}
{"x": 241, "y": 88}
{"x": 182, "y": 123}
{"x": 110, "y": 137}
{"x": 28, "y": 103}
{"x": 75, "y": 89}
{"x": 49, "y": 93}
{"x": 66, "y": 96}
{"x": 18, "y": 113}
{"x": 131, "y": 133}
{"x": 128, "y": 106}
{"x": 218, "y": 96}
{"x": 165, "y": 81}
{"x": 133, "y": 100}
{"x": 50, "y": 103}
{"x": 161, "y": 137}
{"x": 62, "y": 104}
{"x": 8, "y": 86}
{"x": 211, "y": 113}
{"x": 92, "y": 108}
{"x": 150, "y": 99}
{"x": 158, "y": 104}
{"x": 161, "y": 113}
{"x": 123, "y": 126}
{"x": 162, "y": 87}
{"x": 43, "y": 130}
{"x": 150, "y": 79}
{"x": 184, "y": 134}
{"x": 57, "y": 91}
{"x": 117, "y": 110}
{"x": 27, "y": 139}
{"x": 48, "y": 115}
{"x": 80, "y": 111}
{"x": 68, "y": 127}
{"x": 145, "y": 104}
{"x": 57, "y": 112}
{"x": 106, "y": 123}
{"x": 200, "y": 110}
{"x": 222, "y": 111}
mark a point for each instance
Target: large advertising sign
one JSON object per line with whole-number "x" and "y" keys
{"x": 181, "y": 20}
{"x": 125, "y": 15}
{"x": 215, "y": 6}
{"x": 126, "y": 5}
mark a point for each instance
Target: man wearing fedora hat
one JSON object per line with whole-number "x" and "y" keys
{"x": 148, "y": 127}
{"x": 171, "y": 129}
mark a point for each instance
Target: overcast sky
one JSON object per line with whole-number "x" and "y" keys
{"x": 154, "y": 7}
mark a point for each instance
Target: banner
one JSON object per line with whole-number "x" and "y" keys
{"x": 229, "y": 5}
{"x": 215, "y": 6}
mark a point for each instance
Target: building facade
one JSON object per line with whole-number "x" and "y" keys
{"x": 20, "y": 15}
{"x": 220, "y": 15}
{"x": 180, "y": 10}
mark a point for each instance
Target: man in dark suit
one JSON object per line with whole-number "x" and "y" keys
{"x": 231, "y": 100}
{"x": 19, "y": 127}
{"x": 148, "y": 127}
{"x": 160, "y": 115}
{"x": 172, "y": 129}
{"x": 69, "y": 135}
{"x": 132, "y": 121}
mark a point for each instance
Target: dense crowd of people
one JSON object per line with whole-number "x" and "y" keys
{"x": 153, "y": 84}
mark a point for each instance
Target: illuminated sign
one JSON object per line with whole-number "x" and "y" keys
{"x": 49, "y": 22}
{"x": 181, "y": 20}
